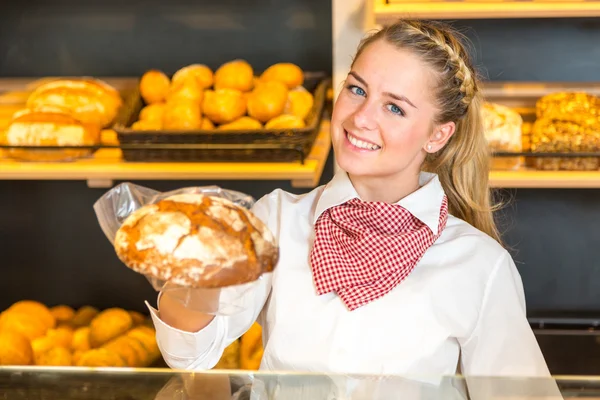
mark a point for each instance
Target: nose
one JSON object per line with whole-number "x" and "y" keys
{"x": 364, "y": 117}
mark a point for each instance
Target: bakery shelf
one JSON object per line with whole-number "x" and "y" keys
{"x": 107, "y": 166}
{"x": 386, "y": 11}
{"x": 533, "y": 179}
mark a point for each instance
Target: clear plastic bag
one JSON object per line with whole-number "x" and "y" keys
{"x": 113, "y": 208}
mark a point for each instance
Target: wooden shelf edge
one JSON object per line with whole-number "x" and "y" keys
{"x": 107, "y": 166}
{"x": 388, "y": 13}
{"x": 531, "y": 179}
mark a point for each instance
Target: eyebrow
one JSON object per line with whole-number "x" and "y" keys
{"x": 392, "y": 95}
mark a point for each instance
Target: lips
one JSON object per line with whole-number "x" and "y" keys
{"x": 361, "y": 143}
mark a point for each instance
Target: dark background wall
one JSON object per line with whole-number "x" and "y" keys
{"x": 52, "y": 248}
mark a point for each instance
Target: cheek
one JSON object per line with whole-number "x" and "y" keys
{"x": 404, "y": 134}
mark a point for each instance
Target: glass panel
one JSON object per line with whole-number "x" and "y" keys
{"x": 158, "y": 384}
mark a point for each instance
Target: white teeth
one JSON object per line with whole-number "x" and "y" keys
{"x": 362, "y": 145}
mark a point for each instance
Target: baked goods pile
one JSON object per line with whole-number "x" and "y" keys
{"x": 567, "y": 122}
{"x": 34, "y": 334}
{"x": 62, "y": 112}
{"x": 197, "y": 241}
{"x": 230, "y": 98}
{"x": 503, "y": 131}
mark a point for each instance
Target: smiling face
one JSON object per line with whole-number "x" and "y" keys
{"x": 382, "y": 122}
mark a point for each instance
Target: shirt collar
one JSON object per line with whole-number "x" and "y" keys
{"x": 424, "y": 203}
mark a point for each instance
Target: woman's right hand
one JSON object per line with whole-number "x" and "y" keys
{"x": 186, "y": 309}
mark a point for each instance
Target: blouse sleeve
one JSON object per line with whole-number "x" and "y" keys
{"x": 202, "y": 350}
{"x": 502, "y": 347}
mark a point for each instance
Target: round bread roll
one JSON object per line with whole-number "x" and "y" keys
{"x": 243, "y": 123}
{"x": 182, "y": 115}
{"x": 300, "y": 102}
{"x": 15, "y": 349}
{"x": 196, "y": 240}
{"x": 267, "y": 100}
{"x": 186, "y": 90}
{"x": 154, "y": 86}
{"x": 223, "y": 105}
{"x": 202, "y": 74}
{"x": 289, "y": 74}
{"x": 285, "y": 121}
{"x": 236, "y": 74}
{"x": 152, "y": 112}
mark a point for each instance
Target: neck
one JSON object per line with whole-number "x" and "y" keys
{"x": 385, "y": 190}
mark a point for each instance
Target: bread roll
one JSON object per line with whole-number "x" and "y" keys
{"x": 89, "y": 100}
{"x": 202, "y": 74}
{"x": 289, "y": 74}
{"x": 154, "y": 86}
{"x": 49, "y": 126}
{"x": 236, "y": 74}
{"x": 300, "y": 102}
{"x": 224, "y": 105}
{"x": 285, "y": 121}
{"x": 196, "y": 241}
{"x": 182, "y": 115}
{"x": 243, "y": 123}
{"x": 267, "y": 101}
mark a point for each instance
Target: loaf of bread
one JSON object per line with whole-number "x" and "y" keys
{"x": 502, "y": 129}
{"x": 567, "y": 122}
{"x": 49, "y": 126}
{"x": 196, "y": 240}
{"x": 89, "y": 100}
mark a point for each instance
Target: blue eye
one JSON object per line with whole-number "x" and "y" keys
{"x": 357, "y": 90}
{"x": 395, "y": 109}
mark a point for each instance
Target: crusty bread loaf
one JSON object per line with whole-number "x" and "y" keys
{"x": 196, "y": 240}
{"x": 89, "y": 100}
{"x": 49, "y": 126}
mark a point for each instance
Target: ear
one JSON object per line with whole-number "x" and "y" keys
{"x": 439, "y": 137}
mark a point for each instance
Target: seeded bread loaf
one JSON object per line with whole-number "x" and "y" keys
{"x": 196, "y": 240}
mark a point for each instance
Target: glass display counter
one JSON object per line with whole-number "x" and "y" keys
{"x": 18, "y": 383}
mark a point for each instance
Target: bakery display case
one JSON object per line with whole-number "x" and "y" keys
{"x": 33, "y": 334}
{"x": 229, "y": 121}
{"x": 161, "y": 384}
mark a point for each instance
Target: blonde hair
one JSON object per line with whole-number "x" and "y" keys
{"x": 463, "y": 164}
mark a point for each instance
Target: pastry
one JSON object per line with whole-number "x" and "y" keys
{"x": 567, "y": 122}
{"x": 243, "y": 123}
{"x": 152, "y": 112}
{"x": 182, "y": 115}
{"x": 195, "y": 240}
{"x": 222, "y": 106}
{"x": 185, "y": 90}
{"x": 154, "y": 86}
{"x": 289, "y": 74}
{"x": 299, "y": 103}
{"x": 202, "y": 74}
{"x": 267, "y": 101}
{"x": 89, "y": 100}
{"x": 285, "y": 121}
{"x": 236, "y": 74}
{"x": 49, "y": 126}
{"x": 109, "y": 324}
{"x": 15, "y": 349}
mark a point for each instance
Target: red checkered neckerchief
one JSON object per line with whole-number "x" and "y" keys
{"x": 363, "y": 250}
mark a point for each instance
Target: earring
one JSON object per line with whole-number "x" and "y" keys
{"x": 429, "y": 147}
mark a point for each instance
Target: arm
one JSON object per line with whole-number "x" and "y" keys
{"x": 189, "y": 339}
{"x": 502, "y": 344}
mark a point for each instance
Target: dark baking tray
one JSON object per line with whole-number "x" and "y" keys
{"x": 222, "y": 146}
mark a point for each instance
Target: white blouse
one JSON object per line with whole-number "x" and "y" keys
{"x": 461, "y": 310}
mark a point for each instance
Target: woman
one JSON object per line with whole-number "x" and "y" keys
{"x": 387, "y": 269}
